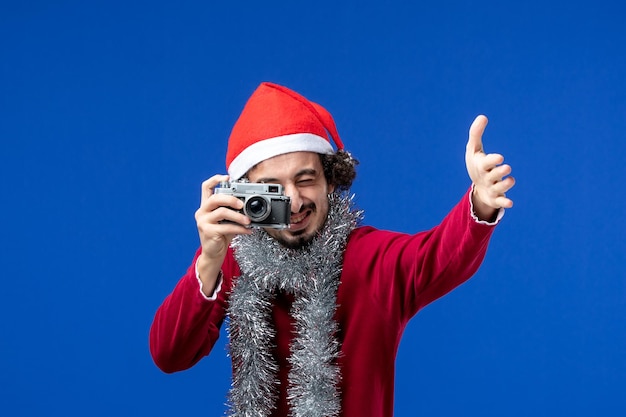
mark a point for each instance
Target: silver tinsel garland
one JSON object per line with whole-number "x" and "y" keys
{"x": 311, "y": 274}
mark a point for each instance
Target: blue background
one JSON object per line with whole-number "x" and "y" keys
{"x": 112, "y": 113}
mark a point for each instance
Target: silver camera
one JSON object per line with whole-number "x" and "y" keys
{"x": 265, "y": 204}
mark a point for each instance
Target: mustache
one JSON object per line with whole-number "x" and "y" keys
{"x": 309, "y": 206}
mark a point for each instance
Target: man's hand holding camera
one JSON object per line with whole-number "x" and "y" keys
{"x": 488, "y": 174}
{"x": 215, "y": 234}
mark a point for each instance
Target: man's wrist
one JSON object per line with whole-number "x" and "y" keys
{"x": 483, "y": 213}
{"x": 204, "y": 290}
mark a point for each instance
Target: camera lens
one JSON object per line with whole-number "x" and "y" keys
{"x": 256, "y": 208}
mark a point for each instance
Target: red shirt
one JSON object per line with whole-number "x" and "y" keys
{"x": 387, "y": 277}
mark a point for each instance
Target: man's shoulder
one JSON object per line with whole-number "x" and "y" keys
{"x": 369, "y": 233}
{"x": 361, "y": 231}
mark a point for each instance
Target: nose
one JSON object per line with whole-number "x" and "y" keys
{"x": 296, "y": 201}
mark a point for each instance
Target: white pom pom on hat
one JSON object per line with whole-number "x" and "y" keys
{"x": 275, "y": 121}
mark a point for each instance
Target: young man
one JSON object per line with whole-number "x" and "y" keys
{"x": 316, "y": 310}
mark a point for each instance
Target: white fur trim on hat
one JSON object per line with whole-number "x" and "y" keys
{"x": 268, "y": 148}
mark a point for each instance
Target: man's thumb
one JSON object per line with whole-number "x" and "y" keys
{"x": 475, "y": 142}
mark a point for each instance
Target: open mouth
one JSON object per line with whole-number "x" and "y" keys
{"x": 296, "y": 219}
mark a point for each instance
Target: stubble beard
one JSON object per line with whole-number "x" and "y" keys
{"x": 300, "y": 238}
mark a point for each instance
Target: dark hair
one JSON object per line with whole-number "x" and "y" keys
{"x": 339, "y": 169}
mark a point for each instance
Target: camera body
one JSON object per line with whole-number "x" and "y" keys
{"x": 265, "y": 204}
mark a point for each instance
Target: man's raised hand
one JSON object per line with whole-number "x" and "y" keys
{"x": 488, "y": 173}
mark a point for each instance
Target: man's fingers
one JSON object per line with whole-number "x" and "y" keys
{"x": 221, "y": 221}
{"x": 505, "y": 185}
{"x": 220, "y": 207}
{"x": 475, "y": 142}
{"x": 490, "y": 161}
{"x": 499, "y": 172}
{"x": 210, "y": 184}
{"x": 221, "y": 214}
{"x": 504, "y": 202}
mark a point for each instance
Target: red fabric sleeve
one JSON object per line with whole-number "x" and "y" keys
{"x": 407, "y": 272}
{"x": 187, "y": 325}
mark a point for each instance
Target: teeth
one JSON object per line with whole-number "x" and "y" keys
{"x": 298, "y": 219}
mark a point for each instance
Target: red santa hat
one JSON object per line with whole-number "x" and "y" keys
{"x": 275, "y": 121}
